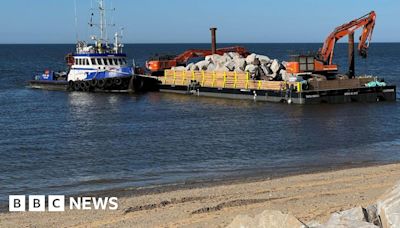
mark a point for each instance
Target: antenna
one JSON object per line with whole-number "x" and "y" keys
{"x": 102, "y": 16}
{"x": 76, "y": 22}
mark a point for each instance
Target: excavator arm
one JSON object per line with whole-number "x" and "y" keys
{"x": 367, "y": 22}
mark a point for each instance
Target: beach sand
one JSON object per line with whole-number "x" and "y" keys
{"x": 308, "y": 197}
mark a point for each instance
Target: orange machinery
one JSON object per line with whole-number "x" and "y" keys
{"x": 159, "y": 64}
{"x": 322, "y": 62}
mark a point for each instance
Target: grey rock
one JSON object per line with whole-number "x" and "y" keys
{"x": 211, "y": 67}
{"x": 221, "y": 68}
{"x": 230, "y": 65}
{"x": 189, "y": 66}
{"x": 203, "y": 65}
{"x": 234, "y": 55}
{"x": 251, "y": 68}
{"x": 275, "y": 66}
{"x": 286, "y": 76}
{"x": 240, "y": 64}
{"x": 267, "y": 219}
{"x": 371, "y": 213}
{"x": 252, "y": 60}
{"x": 194, "y": 67}
{"x": 179, "y": 68}
{"x": 353, "y": 218}
{"x": 263, "y": 59}
{"x": 265, "y": 70}
{"x": 388, "y": 206}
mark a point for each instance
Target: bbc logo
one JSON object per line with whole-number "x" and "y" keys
{"x": 36, "y": 203}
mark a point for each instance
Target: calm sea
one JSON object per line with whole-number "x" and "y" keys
{"x": 67, "y": 143}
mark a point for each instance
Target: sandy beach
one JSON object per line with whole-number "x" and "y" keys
{"x": 309, "y": 197}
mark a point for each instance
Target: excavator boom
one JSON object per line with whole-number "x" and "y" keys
{"x": 367, "y": 22}
{"x": 322, "y": 62}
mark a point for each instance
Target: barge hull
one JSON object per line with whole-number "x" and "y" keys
{"x": 364, "y": 94}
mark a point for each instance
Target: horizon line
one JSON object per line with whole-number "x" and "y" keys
{"x": 381, "y": 42}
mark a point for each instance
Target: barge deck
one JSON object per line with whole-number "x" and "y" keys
{"x": 241, "y": 86}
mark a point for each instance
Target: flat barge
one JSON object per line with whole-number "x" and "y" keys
{"x": 241, "y": 86}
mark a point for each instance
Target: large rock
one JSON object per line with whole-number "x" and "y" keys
{"x": 263, "y": 59}
{"x": 230, "y": 65}
{"x": 234, "y": 55}
{"x": 353, "y": 218}
{"x": 389, "y": 208}
{"x": 252, "y": 60}
{"x": 220, "y": 67}
{"x": 251, "y": 68}
{"x": 202, "y": 65}
{"x": 179, "y": 68}
{"x": 194, "y": 67}
{"x": 190, "y": 66}
{"x": 240, "y": 64}
{"x": 267, "y": 219}
{"x": 286, "y": 76}
{"x": 275, "y": 66}
{"x": 211, "y": 67}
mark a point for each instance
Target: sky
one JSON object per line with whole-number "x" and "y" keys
{"x": 179, "y": 21}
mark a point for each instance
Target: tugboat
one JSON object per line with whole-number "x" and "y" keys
{"x": 96, "y": 67}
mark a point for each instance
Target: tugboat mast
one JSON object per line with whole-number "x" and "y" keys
{"x": 102, "y": 20}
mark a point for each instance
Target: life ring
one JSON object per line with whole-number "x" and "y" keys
{"x": 87, "y": 85}
{"x": 117, "y": 81}
{"x": 109, "y": 82}
{"x": 93, "y": 82}
{"x": 101, "y": 83}
{"x": 70, "y": 85}
{"x": 82, "y": 86}
{"x": 77, "y": 86}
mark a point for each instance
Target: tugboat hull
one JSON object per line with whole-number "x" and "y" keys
{"x": 135, "y": 83}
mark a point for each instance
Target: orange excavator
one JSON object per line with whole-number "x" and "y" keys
{"x": 157, "y": 65}
{"x": 322, "y": 62}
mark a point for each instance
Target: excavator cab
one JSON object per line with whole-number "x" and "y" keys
{"x": 308, "y": 64}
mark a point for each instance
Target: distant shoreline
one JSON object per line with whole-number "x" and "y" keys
{"x": 343, "y": 42}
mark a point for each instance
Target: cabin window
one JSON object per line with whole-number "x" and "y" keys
{"x": 115, "y": 62}
{"x": 87, "y": 62}
{"x": 79, "y": 61}
{"x": 99, "y": 62}
{"x": 76, "y": 61}
{"x": 110, "y": 62}
{"x": 120, "y": 62}
{"x": 105, "y": 62}
{"x": 93, "y": 61}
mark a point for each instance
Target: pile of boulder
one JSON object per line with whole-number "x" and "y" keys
{"x": 259, "y": 66}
